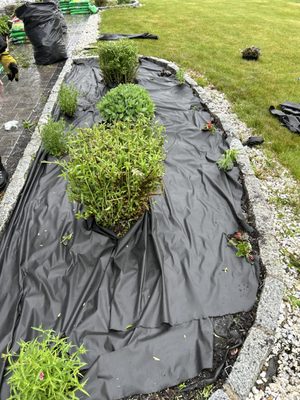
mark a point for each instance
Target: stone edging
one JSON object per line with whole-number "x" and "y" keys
{"x": 258, "y": 343}
{"x": 133, "y": 5}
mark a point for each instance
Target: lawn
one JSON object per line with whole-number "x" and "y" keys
{"x": 207, "y": 36}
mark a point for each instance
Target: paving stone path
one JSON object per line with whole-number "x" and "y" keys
{"x": 24, "y": 100}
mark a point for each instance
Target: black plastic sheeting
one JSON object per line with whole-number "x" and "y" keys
{"x": 140, "y": 304}
{"x": 118, "y": 36}
{"x": 253, "y": 141}
{"x": 289, "y": 115}
{"x": 45, "y": 27}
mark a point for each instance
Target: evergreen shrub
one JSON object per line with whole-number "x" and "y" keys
{"x": 118, "y": 61}
{"x": 127, "y": 102}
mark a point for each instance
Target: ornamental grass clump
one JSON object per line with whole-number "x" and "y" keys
{"x": 67, "y": 99}
{"x": 180, "y": 76}
{"x": 114, "y": 170}
{"x": 47, "y": 367}
{"x": 227, "y": 160}
{"x": 118, "y": 61}
{"x": 54, "y": 138}
{"x": 126, "y": 102}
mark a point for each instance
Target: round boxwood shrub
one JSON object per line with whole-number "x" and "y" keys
{"x": 126, "y": 102}
{"x": 113, "y": 170}
{"x": 118, "y": 61}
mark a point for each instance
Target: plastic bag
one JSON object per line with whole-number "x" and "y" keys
{"x": 289, "y": 115}
{"x": 118, "y": 36}
{"x": 45, "y": 30}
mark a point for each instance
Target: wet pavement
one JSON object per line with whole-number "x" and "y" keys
{"x": 24, "y": 101}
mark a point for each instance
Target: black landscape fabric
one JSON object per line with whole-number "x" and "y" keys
{"x": 118, "y": 36}
{"x": 141, "y": 304}
{"x": 45, "y": 27}
{"x": 288, "y": 115}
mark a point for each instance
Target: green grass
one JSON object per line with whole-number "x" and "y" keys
{"x": 206, "y": 36}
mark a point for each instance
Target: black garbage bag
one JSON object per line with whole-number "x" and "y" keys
{"x": 45, "y": 30}
{"x": 63, "y": 22}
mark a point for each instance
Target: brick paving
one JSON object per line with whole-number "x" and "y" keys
{"x": 25, "y": 100}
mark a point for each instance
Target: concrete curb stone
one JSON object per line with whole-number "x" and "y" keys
{"x": 219, "y": 395}
{"x": 255, "y": 350}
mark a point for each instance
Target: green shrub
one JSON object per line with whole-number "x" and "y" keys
{"x": 47, "y": 367}
{"x": 227, "y": 160}
{"x": 118, "y": 61}
{"x": 124, "y": 1}
{"x": 126, "y": 102}
{"x": 67, "y": 99}
{"x": 4, "y": 25}
{"x": 54, "y": 137}
{"x": 243, "y": 247}
{"x": 114, "y": 170}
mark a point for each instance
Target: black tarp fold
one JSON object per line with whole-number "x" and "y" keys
{"x": 288, "y": 115}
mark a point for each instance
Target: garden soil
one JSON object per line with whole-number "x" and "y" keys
{"x": 142, "y": 304}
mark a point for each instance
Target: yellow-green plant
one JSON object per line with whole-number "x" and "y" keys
{"x": 4, "y": 25}
{"x": 227, "y": 160}
{"x": 47, "y": 367}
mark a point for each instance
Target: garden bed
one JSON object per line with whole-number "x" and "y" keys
{"x": 145, "y": 306}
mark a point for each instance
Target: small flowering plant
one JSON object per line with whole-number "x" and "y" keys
{"x": 240, "y": 241}
{"x": 48, "y": 367}
{"x": 209, "y": 127}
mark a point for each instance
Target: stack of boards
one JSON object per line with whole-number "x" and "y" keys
{"x": 75, "y": 7}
